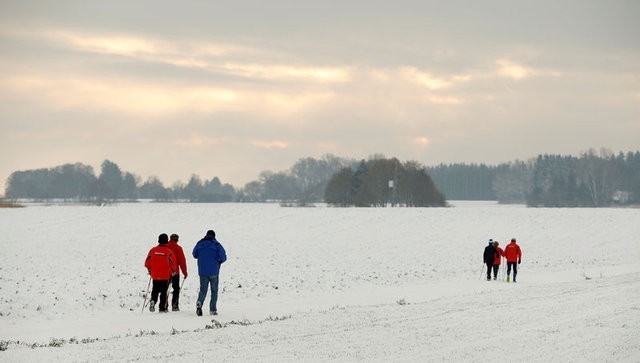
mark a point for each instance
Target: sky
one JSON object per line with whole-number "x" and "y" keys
{"x": 231, "y": 89}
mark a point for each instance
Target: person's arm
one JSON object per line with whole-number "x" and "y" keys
{"x": 222, "y": 255}
{"x": 183, "y": 262}
{"x": 147, "y": 261}
{"x": 172, "y": 263}
{"x": 196, "y": 250}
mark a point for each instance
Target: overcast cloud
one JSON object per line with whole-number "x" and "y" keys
{"x": 230, "y": 89}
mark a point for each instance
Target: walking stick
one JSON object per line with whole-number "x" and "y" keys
{"x": 482, "y": 270}
{"x": 146, "y": 294}
{"x": 166, "y": 305}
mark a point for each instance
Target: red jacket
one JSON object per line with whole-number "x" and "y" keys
{"x": 499, "y": 254}
{"x": 512, "y": 252}
{"x": 181, "y": 262}
{"x": 160, "y": 262}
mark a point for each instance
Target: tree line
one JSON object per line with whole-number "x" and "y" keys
{"x": 302, "y": 184}
{"x": 78, "y": 182}
{"x": 593, "y": 179}
{"x": 305, "y": 182}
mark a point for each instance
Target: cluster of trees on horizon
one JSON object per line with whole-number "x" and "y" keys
{"x": 379, "y": 182}
{"x": 78, "y": 182}
{"x": 594, "y": 179}
{"x": 591, "y": 180}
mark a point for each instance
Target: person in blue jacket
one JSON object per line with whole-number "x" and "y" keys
{"x": 210, "y": 255}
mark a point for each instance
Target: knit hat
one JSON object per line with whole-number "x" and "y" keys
{"x": 211, "y": 233}
{"x": 163, "y": 239}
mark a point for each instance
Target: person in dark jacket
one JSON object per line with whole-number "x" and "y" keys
{"x": 210, "y": 255}
{"x": 161, "y": 265}
{"x": 488, "y": 257}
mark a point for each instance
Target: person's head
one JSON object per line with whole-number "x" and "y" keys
{"x": 495, "y": 243}
{"x": 491, "y": 241}
{"x": 174, "y": 237}
{"x": 513, "y": 240}
{"x": 211, "y": 234}
{"x": 163, "y": 239}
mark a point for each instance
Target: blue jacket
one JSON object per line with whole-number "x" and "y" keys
{"x": 210, "y": 255}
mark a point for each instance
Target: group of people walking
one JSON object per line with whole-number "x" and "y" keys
{"x": 493, "y": 255}
{"x": 165, "y": 262}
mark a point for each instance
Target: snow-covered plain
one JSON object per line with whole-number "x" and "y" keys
{"x": 323, "y": 284}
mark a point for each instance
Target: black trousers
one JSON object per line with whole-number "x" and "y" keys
{"x": 489, "y": 268}
{"x": 175, "y": 285}
{"x": 515, "y": 269}
{"x": 495, "y": 271}
{"x": 160, "y": 288}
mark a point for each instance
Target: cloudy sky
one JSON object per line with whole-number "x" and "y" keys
{"x": 229, "y": 89}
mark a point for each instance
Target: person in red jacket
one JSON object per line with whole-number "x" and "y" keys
{"x": 497, "y": 260}
{"x": 514, "y": 256}
{"x": 161, "y": 265}
{"x": 181, "y": 265}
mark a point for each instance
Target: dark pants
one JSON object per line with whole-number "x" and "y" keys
{"x": 160, "y": 288}
{"x": 489, "y": 268}
{"x": 175, "y": 285}
{"x": 495, "y": 271}
{"x": 515, "y": 269}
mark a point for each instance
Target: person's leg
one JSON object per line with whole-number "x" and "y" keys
{"x": 508, "y": 270}
{"x": 155, "y": 290}
{"x": 175, "y": 285}
{"x": 489, "y": 267}
{"x": 213, "y": 304}
{"x": 163, "y": 286}
{"x": 204, "y": 285}
{"x": 495, "y": 271}
{"x": 515, "y": 271}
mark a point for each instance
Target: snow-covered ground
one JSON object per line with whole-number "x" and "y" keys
{"x": 322, "y": 284}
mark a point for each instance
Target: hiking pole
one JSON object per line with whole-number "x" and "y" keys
{"x": 146, "y": 294}
{"x": 169, "y": 285}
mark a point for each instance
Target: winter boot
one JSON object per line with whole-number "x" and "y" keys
{"x": 152, "y": 306}
{"x": 213, "y": 312}
{"x": 199, "y": 309}
{"x": 508, "y": 278}
{"x": 175, "y": 308}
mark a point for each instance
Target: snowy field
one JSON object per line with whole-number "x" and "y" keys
{"x": 323, "y": 284}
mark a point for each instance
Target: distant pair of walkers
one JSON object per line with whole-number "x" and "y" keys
{"x": 493, "y": 254}
{"x": 164, "y": 260}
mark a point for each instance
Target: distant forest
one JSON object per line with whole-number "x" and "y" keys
{"x": 592, "y": 179}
